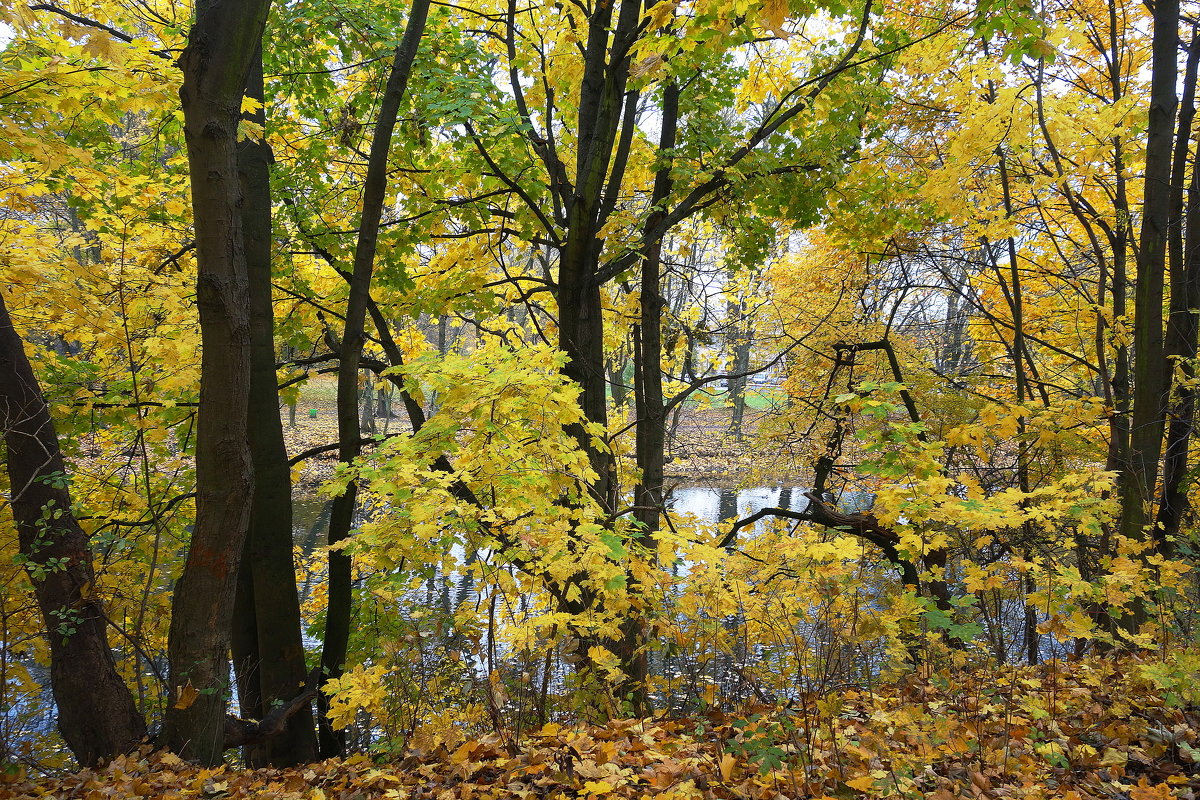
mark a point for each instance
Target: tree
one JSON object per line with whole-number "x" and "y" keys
{"x": 268, "y": 651}
{"x": 96, "y": 713}
{"x": 600, "y": 221}
{"x": 631, "y": 58}
{"x": 337, "y": 620}
{"x": 593, "y": 196}
{"x": 1160, "y": 214}
{"x": 216, "y": 64}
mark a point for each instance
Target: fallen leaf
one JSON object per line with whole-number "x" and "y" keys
{"x": 185, "y": 695}
{"x": 863, "y": 783}
{"x": 728, "y": 762}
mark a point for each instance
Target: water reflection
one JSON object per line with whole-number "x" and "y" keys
{"x": 310, "y": 521}
{"x": 706, "y": 504}
{"x": 714, "y": 504}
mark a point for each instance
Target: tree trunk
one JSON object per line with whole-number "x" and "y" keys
{"x": 1151, "y": 370}
{"x": 1182, "y": 329}
{"x": 215, "y": 65}
{"x": 268, "y": 648}
{"x": 740, "y": 350}
{"x": 580, "y": 310}
{"x": 337, "y": 616}
{"x": 96, "y": 711}
{"x": 651, "y": 429}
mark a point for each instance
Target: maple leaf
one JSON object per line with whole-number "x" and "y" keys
{"x": 186, "y": 695}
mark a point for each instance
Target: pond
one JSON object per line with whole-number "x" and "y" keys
{"x": 709, "y": 504}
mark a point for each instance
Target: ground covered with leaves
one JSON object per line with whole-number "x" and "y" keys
{"x": 1093, "y": 729}
{"x": 702, "y": 451}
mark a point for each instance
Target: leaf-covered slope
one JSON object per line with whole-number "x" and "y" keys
{"x": 1094, "y": 729}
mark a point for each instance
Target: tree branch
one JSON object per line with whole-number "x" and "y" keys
{"x": 241, "y": 732}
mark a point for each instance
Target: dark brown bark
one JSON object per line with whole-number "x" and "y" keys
{"x": 251, "y": 734}
{"x": 1182, "y": 322}
{"x": 1151, "y": 370}
{"x": 580, "y": 312}
{"x": 97, "y": 715}
{"x": 268, "y": 649}
{"x": 651, "y": 422}
{"x": 215, "y": 65}
{"x": 338, "y": 612}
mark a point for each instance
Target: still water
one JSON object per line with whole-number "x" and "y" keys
{"x": 709, "y": 504}
{"x": 704, "y": 503}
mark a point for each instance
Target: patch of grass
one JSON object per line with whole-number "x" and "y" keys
{"x": 321, "y": 389}
{"x": 757, "y": 399}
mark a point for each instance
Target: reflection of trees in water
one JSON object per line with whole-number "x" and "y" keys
{"x": 537, "y": 674}
{"x": 310, "y": 521}
{"x": 808, "y": 651}
{"x": 28, "y": 714}
{"x": 452, "y": 591}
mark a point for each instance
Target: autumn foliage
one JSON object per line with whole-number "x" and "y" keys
{"x": 923, "y": 275}
{"x": 1088, "y": 729}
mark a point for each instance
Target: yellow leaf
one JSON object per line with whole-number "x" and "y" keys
{"x": 1113, "y": 757}
{"x": 661, "y": 14}
{"x": 597, "y": 787}
{"x": 185, "y": 695}
{"x": 773, "y": 14}
{"x": 463, "y": 753}
{"x": 862, "y": 783}
{"x": 728, "y": 762}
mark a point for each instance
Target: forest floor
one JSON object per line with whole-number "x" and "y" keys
{"x": 1119, "y": 729}
{"x": 701, "y": 450}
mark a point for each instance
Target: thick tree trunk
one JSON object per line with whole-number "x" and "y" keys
{"x": 337, "y": 615}
{"x": 651, "y": 429}
{"x": 268, "y": 649}
{"x": 1151, "y": 370}
{"x": 215, "y": 65}
{"x": 96, "y": 711}
{"x": 1182, "y": 323}
{"x": 580, "y": 310}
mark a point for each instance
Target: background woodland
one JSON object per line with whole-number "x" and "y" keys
{"x": 532, "y": 267}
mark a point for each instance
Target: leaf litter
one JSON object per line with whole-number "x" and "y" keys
{"x": 1090, "y": 729}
